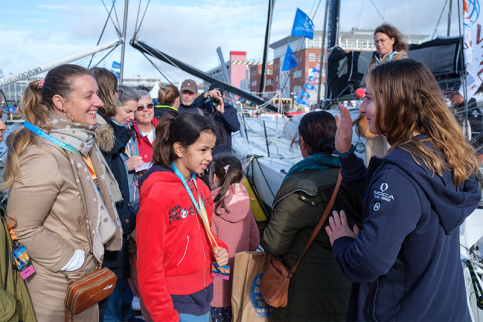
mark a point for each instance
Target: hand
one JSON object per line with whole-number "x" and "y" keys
{"x": 134, "y": 162}
{"x": 220, "y": 107}
{"x": 343, "y": 135}
{"x": 338, "y": 227}
{"x": 213, "y": 93}
{"x": 221, "y": 255}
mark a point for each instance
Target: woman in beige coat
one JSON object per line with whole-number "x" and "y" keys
{"x": 61, "y": 191}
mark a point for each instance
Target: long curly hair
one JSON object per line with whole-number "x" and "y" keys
{"x": 409, "y": 101}
{"x": 392, "y": 32}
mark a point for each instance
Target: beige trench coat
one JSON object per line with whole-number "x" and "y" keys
{"x": 51, "y": 223}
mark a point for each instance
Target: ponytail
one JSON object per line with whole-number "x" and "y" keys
{"x": 228, "y": 170}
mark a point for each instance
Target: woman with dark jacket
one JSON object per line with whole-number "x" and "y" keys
{"x": 318, "y": 291}
{"x": 112, "y": 137}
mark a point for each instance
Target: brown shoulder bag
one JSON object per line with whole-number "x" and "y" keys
{"x": 276, "y": 278}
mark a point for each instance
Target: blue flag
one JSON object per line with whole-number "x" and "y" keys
{"x": 290, "y": 61}
{"x": 302, "y": 25}
{"x": 309, "y": 87}
{"x": 304, "y": 94}
{"x": 116, "y": 65}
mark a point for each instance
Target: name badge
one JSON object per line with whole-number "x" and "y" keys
{"x": 24, "y": 264}
{"x": 220, "y": 271}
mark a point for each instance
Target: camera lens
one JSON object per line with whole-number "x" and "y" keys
{"x": 215, "y": 101}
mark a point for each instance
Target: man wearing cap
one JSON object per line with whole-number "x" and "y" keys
{"x": 468, "y": 111}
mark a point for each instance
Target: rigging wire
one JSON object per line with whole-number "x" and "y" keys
{"x": 439, "y": 20}
{"x": 117, "y": 19}
{"x": 102, "y": 32}
{"x": 142, "y": 19}
{"x": 110, "y": 16}
{"x": 375, "y": 7}
{"x": 154, "y": 65}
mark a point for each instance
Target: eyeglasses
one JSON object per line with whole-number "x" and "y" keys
{"x": 149, "y": 106}
{"x": 119, "y": 92}
{"x": 380, "y": 41}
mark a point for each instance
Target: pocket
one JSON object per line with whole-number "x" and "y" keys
{"x": 185, "y": 250}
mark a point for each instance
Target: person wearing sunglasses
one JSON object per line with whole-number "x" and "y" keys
{"x": 145, "y": 125}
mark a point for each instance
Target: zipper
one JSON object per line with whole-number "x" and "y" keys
{"x": 185, "y": 250}
{"x": 203, "y": 248}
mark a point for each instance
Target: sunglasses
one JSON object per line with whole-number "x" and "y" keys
{"x": 149, "y": 106}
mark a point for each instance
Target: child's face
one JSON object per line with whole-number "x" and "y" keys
{"x": 197, "y": 156}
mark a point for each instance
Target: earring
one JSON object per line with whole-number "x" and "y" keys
{"x": 71, "y": 116}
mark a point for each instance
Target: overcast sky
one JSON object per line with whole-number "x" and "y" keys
{"x": 36, "y": 32}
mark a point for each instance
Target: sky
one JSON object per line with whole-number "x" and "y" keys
{"x": 36, "y": 32}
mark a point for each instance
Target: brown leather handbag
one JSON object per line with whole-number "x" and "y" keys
{"x": 88, "y": 290}
{"x": 276, "y": 277}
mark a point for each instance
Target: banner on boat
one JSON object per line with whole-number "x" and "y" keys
{"x": 472, "y": 47}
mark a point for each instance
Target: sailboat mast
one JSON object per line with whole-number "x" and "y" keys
{"x": 271, "y": 4}
{"x": 322, "y": 55}
{"x": 123, "y": 48}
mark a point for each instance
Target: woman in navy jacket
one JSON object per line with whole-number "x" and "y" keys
{"x": 405, "y": 262}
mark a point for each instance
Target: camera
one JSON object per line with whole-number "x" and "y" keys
{"x": 215, "y": 101}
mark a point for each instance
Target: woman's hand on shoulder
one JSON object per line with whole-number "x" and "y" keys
{"x": 338, "y": 227}
{"x": 343, "y": 135}
{"x": 221, "y": 255}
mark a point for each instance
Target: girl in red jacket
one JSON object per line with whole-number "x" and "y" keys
{"x": 233, "y": 222}
{"x": 175, "y": 244}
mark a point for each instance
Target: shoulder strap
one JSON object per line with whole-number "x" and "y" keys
{"x": 321, "y": 221}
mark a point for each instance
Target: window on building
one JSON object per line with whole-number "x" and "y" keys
{"x": 312, "y": 57}
{"x": 269, "y": 81}
{"x": 254, "y": 83}
{"x": 276, "y": 78}
{"x": 319, "y": 56}
{"x": 269, "y": 71}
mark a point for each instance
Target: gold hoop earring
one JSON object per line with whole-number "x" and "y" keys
{"x": 71, "y": 116}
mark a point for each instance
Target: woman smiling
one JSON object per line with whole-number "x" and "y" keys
{"x": 65, "y": 217}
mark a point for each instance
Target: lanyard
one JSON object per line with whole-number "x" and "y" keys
{"x": 44, "y": 135}
{"x": 200, "y": 207}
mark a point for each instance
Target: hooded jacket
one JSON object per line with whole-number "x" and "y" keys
{"x": 174, "y": 254}
{"x": 405, "y": 264}
{"x": 238, "y": 229}
{"x": 112, "y": 140}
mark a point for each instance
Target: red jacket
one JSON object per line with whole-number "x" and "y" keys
{"x": 174, "y": 254}
{"x": 145, "y": 147}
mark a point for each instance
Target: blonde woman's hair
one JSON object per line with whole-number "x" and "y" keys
{"x": 107, "y": 85}
{"x": 414, "y": 104}
{"x": 36, "y": 104}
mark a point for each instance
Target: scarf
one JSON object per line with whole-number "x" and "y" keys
{"x": 314, "y": 162}
{"x": 103, "y": 224}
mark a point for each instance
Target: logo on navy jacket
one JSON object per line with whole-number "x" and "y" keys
{"x": 178, "y": 213}
{"x": 382, "y": 194}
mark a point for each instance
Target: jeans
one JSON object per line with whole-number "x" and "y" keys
{"x": 117, "y": 306}
{"x": 194, "y": 318}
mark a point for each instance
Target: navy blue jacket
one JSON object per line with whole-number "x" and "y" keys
{"x": 227, "y": 124}
{"x": 118, "y": 261}
{"x": 405, "y": 264}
